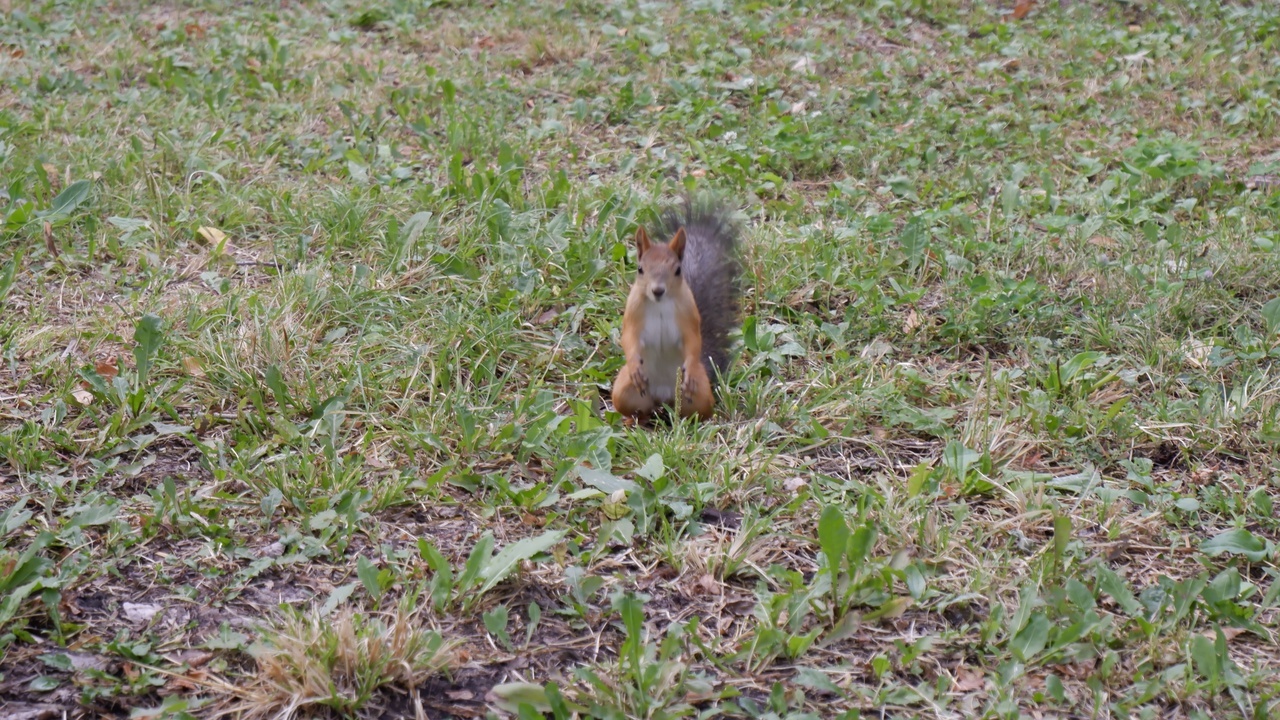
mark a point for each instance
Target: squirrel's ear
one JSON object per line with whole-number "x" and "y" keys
{"x": 677, "y": 244}
{"x": 642, "y": 242}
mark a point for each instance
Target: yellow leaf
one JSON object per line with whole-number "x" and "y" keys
{"x": 214, "y": 237}
{"x": 892, "y": 609}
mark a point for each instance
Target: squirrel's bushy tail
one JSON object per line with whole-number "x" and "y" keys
{"x": 711, "y": 270}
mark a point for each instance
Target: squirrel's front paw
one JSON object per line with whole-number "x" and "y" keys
{"x": 640, "y": 381}
{"x": 691, "y": 386}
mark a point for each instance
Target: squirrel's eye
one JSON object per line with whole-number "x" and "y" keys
{"x": 677, "y": 271}
{"x": 640, "y": 270}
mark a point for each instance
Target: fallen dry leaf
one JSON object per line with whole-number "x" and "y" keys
{"x": 875, "y": 350}
{"x": 107, "y": 369}
{"x": 191, "y": 681}
{"x": 795, "y": 484}
{"x": 192, "y": 366}
{"x": 190, "y": 657}
{"x": 969, "y": 679}
{"x": 212, "y": 235}
{"x": 912, "y": 322}
{"x": 82, "y": 397}
{"x": 1229, "y": 633}
{"x": 706, "y": 585}
{"x": 460, "y": 695}
{"x": 1197, "y": 352}
{"x": 140, "y": 612}
{"x": 49, "y": 243}
{"x": 51, "y": 172}
{"x": 1255, "y": 182}
{"x": 1021, "y": 9}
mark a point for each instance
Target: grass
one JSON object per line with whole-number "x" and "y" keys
{"x": 310, "y": 314}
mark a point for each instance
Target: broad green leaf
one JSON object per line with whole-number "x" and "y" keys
{"x": 94, "y": 515}
{"x": 337, "y": 597}
{"x": 1028, "y": 600}
{"x": 1055, "y": 689}
{"x": 652, "y": 468}
{"x": 59, "y": 661}
{"x": 147, "y": 335}
{"x": 68, "y": 200}
{"x": 860, "y": 546}
{"x": 163, "y": 428}
{"x": 957, "y": 458}
{"x": 1115, "y": 586}
{"x": 14, "y": 517}
{"x": 1009, "y": 197}
{"x": 495, "y": 622}
{"x": 914, "y": 238}
{"x": 535, "y": 617}
{"x": 816, "y": 679}
{"x": 919, "y": 476}
{"x": 1205, "y": 657}
{"x": 915, "y": 581}
{"x": 10, "y": 272}
{"x": 368, "y": 574}
{"x": 506, "y": 560}
{"x": 1080, "y": 595}
{"x": 845, "y": 628}
{"x": 1225, "y": 586}
{"x": 435, "y": 559}
{"x": 43, "y": 683}
{"x": 1271, "y": 315}
{"x": 1061, "y": 536}
{"x": 510, "y": 696}
{"x": 1272, "y": 598}
{"x": 632, "y": 611}
{"x": 414, "y": 226}
{"x": 476, "y": 562}
{"x": 833, "y": 536}
{"x": 1079, "y": 363}
{"x": 1236, "y": 541}
{"x": 275, "y": 381}
{"x": 605, "y": 482}
{"x": 19, "y": 214}
{"x": 1028, "y": 643}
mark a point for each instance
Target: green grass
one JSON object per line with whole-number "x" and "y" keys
{"x": 310, "y": 314}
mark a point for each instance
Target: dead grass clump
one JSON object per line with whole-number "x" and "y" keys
{"x": 308, "y": 663}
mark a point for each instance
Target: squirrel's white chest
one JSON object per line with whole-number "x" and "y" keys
{"x": 662, "y": 349}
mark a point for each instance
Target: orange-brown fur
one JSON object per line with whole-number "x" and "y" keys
{"x": 659, "y": 281}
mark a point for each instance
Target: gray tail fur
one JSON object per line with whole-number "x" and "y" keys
{"x": 711, "y": 269}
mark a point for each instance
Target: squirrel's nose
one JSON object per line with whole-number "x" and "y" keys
{"x": 658, "y": 292}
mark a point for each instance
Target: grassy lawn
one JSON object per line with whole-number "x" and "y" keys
{"x": 310, "y": 311}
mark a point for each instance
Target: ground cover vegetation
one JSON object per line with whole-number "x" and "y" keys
{"x": 310, "y": 309}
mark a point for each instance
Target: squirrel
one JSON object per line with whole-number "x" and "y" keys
{"x": 681, "y": 307}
